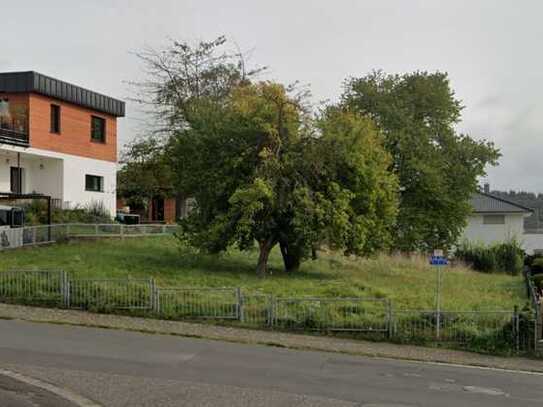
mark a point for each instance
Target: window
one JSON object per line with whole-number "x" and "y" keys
{"x": 493, "y": 219}
{"x": 55, "y": 119}
{"x": 16, "y": 180}
{"x": 94, "y": 183}
{"x": 98, "y": 129}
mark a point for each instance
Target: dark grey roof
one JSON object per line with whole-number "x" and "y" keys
{"x": 36, "y": 82}
{"x": 486, "y": 203}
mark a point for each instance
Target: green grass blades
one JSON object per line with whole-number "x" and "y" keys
{"x": 408, "y": 281}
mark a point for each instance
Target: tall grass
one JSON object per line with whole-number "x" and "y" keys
{"x": 408, "y": 281}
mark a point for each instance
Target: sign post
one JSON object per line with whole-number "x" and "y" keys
{"x": 438, "y": 261}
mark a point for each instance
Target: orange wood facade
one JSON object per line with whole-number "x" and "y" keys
{"x": 75, "y": 127}
{"x": 75, "y": 130}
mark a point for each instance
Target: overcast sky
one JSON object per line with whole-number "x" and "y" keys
{"x": 491, "y": 50}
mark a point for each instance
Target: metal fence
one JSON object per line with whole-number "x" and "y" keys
{"x": 33, "y": 286}
{"x": 537, "y": 305}
{"x": 196, "y": 303}
{"x": 110, "y": 294}
{"x": 333, "y": 314}
{"x": 504, "y": 331}
{"x": 458, "y": 326}
{"x": 37, "y": 235}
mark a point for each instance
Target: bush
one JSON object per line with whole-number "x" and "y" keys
{"x": 503, "y": 257}
{"x": 537, "y": 265}
{"x": 538, "y": 281}
{"x": 94, "y": 212}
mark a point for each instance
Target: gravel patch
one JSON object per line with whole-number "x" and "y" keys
{"x": 271, "y": 338}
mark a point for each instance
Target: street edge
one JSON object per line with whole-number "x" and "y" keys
{"x": 271, "y": 343}
{"x": 66, "y": 394}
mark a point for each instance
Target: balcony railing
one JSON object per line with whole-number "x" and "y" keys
{"x": 14, "y": 137}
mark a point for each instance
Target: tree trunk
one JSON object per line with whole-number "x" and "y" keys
{"x": 265, "y": 248}
{"x": 291, "y": 257}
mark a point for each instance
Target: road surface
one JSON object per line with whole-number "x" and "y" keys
{"x": 14, "y": 393}
{"x": 118, "y": 368}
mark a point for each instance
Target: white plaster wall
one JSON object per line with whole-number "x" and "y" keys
{"x": 75, "y": 169}
{"x": 43, "y": 175}
{"x": 477, "y": 232}
{"x": 62, "y": 176}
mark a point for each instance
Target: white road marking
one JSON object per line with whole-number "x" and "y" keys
{"x": 64, "y": 393}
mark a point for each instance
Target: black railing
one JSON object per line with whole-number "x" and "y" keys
{"x": 9, "y": 136}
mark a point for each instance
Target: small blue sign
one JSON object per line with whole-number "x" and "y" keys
{"x": 438, "y": 261}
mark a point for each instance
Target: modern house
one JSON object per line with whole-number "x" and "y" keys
{"x": 495, "y": 220}
{"x": 58, "y": 139}
{"x": 161, "y": 210}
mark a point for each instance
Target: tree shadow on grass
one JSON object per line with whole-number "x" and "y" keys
{"x": 170, "y": 262}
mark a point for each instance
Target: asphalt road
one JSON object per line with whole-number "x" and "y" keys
{"x": 14, "y": 393}
{"x": 117, "y": 368}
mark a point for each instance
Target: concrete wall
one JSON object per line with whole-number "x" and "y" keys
{"x": 476, "y": 231}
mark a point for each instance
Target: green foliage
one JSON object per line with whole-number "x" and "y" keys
{"x": 437, "y": 168}
{"x": 502, "y": 257}
{"x": 538, "y": 281}
{"x": 263, "y": 176}
{"x": 408, "y": 281}
{"x": 537, "y": 265}
{"x": 94, "y": 212}
{"x": 145, "y": 173}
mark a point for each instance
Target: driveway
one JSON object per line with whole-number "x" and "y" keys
{"x": 119, "y": 368}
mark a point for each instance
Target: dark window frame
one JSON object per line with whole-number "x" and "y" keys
{"x": 55, "y": 121}
{"x": 94, "y": 129}
{"x": 89, "y": 183}
{"x": 16, "y": 179}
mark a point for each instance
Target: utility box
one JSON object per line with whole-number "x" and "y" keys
{"x": 11, "y": 226}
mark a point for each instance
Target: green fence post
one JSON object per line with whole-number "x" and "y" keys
{"x": 390, "y": 319}
{"x": 271, "y": 312}
{"x": 516, "y": 324}
{"x": 239, "y": 298}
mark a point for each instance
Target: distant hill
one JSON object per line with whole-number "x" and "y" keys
{"x": 528, "y": 199}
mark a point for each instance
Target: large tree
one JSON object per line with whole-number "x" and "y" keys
{"x": 259, "y": 166}
{"x": 438, "y": 168}
{"x": 262, "y": 171}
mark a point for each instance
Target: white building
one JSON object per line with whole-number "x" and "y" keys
{"x": 58, "y": 139}
{"x": 496, "y": 220}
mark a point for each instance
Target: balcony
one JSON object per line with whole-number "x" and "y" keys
{"x": 13, "y": 137}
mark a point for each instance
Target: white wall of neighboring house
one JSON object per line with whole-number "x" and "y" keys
{"x": 62, "y": 176}
{"x": 532, "y": 242}
{"x": 478, "y": 232}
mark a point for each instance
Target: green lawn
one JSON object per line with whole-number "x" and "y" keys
{"x": 410, "y": 283}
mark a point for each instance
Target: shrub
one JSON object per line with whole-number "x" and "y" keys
{"x": 537, "y": 265}
{"x": 502, "y": 257}
{"x": 94, "y": 212}
{"x": 538, "y": 281}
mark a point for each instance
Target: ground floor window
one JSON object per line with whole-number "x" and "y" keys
{"x": 16, "y": 180}
{"x": 493, "y": 219}
{"x": 94, "y": 183}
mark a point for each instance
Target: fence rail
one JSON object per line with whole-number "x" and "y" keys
{"x": 537, "y": 305}
{"x": 370, "y": 317}
{"x": 43, "y": 234}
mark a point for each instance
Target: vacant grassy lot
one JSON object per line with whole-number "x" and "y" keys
{"x": 410, "y": 283}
